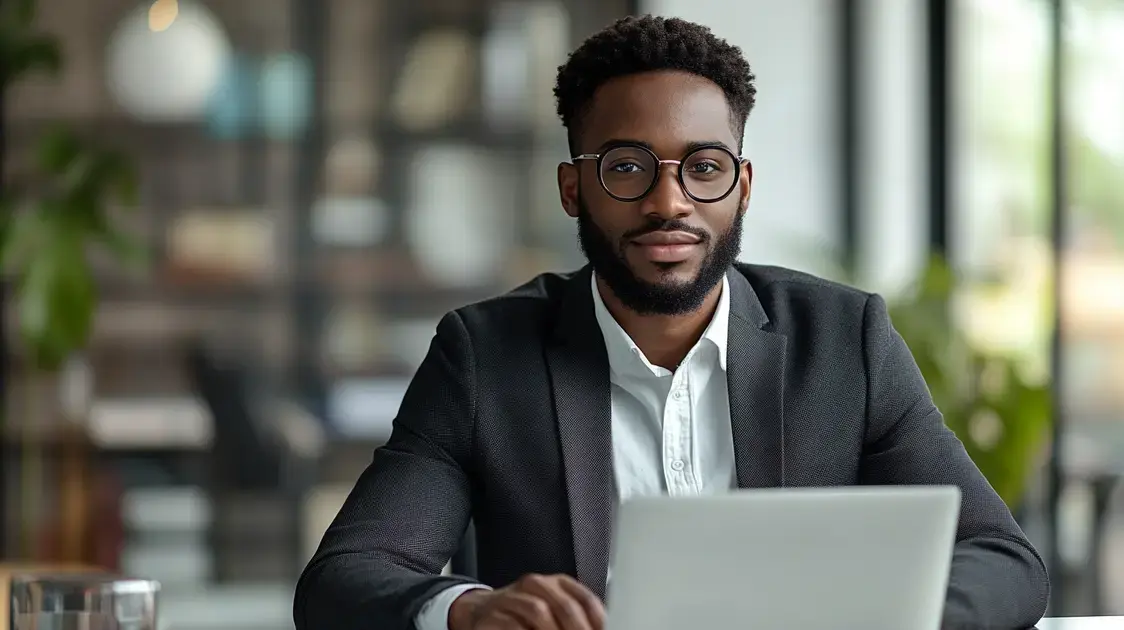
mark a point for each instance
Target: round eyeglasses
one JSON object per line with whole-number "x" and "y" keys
{"x": 629, "y": 172}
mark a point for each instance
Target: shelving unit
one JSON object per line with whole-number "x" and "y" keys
{"x": 374, "y": 296}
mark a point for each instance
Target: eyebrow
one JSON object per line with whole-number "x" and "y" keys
{"x": 691, "y": 146}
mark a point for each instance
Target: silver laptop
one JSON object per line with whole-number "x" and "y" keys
{"x": 875, "y": 558}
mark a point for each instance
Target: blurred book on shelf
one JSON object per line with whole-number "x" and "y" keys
{"x": 207, "y": 246}
{"x": 156, "y": 423}
{"x": 436, "y": 80}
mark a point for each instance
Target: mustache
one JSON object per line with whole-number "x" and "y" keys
{"x": 669, "y": 225}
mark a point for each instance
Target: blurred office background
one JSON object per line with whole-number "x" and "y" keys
{"x": 321, "y": 180}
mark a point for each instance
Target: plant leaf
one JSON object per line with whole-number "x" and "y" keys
{"x": 25, "y": 11}
{"x": 27, "y": 54}
{"x": 126, "y": 249}
{"x": 58, "y": 149}
{"x": 950, "y": 367}
{"x": 23, "y": 234}
{"x": 7, "y": 218}
{"x": 56, "y": 301}
{"x": 120, "y": 177}
{"x": 90, "y": 180}
{"x": 21, "y": 12}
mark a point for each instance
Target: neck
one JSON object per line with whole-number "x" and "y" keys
{"x": 664, "y": 339}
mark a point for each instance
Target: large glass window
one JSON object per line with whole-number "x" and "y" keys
{"x": 1092, "y": 297}
{"x": 1002, "y": 247}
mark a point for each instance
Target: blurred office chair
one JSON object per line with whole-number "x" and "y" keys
{"x": 246, "y": 455}
{"x": 264, "y": 456}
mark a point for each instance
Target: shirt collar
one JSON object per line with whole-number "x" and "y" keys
{"x": 624, "y": 355}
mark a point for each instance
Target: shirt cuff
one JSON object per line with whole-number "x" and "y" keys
{"x": 434, "y": 614}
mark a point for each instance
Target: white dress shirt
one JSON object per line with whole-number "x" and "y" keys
{"x": 671, "y": 430}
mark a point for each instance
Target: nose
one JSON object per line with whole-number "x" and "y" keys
{"x": 668, "y": 200}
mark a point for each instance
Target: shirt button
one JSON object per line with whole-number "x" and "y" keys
{"x": 677, "y": 465}
{"x": 678, "y": 394}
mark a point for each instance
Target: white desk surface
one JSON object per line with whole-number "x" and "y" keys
{"x": 1082, "y": 623}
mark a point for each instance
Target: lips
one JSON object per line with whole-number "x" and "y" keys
{"x": 666, "y": 247}
{"x": 667, "y": 238}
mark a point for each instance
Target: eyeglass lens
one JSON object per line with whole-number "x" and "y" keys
{"x": 707, "y": 174}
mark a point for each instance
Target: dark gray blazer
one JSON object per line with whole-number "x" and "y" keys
{"x": 507, "y": 422}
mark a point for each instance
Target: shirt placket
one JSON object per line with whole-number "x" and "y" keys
{"x": 677, "y": 443}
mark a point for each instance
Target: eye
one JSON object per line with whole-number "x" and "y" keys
{"x": 625, "y": 168}
{"x": 704, "y": 168}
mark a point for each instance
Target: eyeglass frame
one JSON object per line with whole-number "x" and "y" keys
{"x": 599, "y": 159}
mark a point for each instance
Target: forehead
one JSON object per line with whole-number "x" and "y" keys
{"x": 669, "y": 110}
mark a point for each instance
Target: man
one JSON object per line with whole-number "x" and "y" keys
{"x": 662, "y": 367}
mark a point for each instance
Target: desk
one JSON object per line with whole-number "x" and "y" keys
{"x": 1081, "y": 623}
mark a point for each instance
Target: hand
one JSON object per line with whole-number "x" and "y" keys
{"x": 535, "y": 602}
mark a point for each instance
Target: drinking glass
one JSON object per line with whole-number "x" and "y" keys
{"x": 83, "y": 602}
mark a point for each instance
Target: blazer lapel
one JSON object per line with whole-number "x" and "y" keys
{"x": 579, "y": 370}
{"x": 755, "y": 379}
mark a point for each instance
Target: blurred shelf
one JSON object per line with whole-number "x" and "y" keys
{"x": 121, "y": 130}
{"x": 240, "y": 295}
{"x": 389, "y": 276}
{"x": 518, "y": 140}
{"x": 125, "y": 427}
{"x": 150, "y": 424}
{"x": 474, "y": 18}
{"x": 468, "y": 129}
{"x": 406, "y": 304}
{"x": 146, "y": 420}
{"x": 354, "y": 268}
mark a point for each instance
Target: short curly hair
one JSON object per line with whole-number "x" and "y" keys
{"x": 633, "y": 45}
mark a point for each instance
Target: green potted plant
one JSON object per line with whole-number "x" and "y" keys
{"x": 49, "y": 222}
{"x": 1002, "y": 416}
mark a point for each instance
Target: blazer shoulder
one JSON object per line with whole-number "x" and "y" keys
{"x": 778, "y": 280}
{"x": 787, "y": 295}
{"x": 528, "y": 308}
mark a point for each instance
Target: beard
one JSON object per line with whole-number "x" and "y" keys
{"x": 666, "y": 297}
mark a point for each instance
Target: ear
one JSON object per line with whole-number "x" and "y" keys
{"x": 568, "y": 188}
{"x": 746, "y": 182}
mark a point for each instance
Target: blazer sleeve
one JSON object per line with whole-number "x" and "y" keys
{"x": 998, "y": 580}
{"x": 381, "y": 558}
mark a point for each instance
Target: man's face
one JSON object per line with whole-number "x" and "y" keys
{"x": 664, "y": 253}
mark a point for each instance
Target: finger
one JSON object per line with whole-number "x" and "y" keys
{"x": 533, "y": 611}
{"x": 499, "y": 620}
{"x": 592, "y": 605}
{"x": 568, "y": 610}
